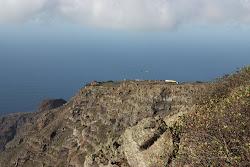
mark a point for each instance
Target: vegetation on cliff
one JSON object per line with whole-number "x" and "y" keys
{"x": 217, "y": 133}
{"x": 120, "y": 124}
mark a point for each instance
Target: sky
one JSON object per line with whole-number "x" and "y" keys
{"x": 128, "y": 14}
{"x": 51, "y": 48}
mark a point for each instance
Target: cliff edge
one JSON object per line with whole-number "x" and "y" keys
{"x": 113, "y": 124}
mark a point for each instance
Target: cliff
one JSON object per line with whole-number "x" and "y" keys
{"x": 114, "y": 124}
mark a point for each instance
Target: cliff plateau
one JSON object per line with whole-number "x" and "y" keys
{"x": 114, "y": 124}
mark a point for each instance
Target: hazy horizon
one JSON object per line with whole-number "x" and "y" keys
{"x": 50, "y": 49}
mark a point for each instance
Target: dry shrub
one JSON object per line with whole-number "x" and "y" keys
{"x": 218, "y": 134}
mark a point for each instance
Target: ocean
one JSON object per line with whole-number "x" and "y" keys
{"x": 54, "y": 62}
{"x": 26, "y": 81}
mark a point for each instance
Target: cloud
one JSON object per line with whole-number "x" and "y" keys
{"x": 129, "y": 14}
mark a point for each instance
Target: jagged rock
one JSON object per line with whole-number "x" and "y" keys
{"x": 116, "y": 124}
{"x": 147, "y": 131}
{"x": 13, "y": 126}
{"x": 144, "y": 139}
{"x": 134, "y": 147}
{"x": 48, "y": 104}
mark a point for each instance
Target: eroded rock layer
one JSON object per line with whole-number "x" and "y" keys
{"x": 115, "y": 124}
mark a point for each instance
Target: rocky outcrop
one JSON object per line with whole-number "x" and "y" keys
{"x": 115, "y": 124}
{"x": 14, "y": 126}
{"x": 134, "y": 147}
{"x": 48, "y": 104}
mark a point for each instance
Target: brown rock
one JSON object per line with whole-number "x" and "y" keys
{"x": 114, "y": 124}
{"x": 48, "y": 104}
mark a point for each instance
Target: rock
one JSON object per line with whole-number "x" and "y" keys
{"x": 13, "y": 127}
{"x": 134, "y": 147}
{"x": 143, "y": 140}
{"x": 48, "y": 104}
{"x": 115, "y": 125}
{"x": 147, "y": 132}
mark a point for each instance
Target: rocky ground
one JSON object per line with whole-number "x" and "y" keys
{"x": 114, "y": 124}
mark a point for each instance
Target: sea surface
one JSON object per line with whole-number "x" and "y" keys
{"x": 26, "y": 81}
{"x": 38, "y": 62}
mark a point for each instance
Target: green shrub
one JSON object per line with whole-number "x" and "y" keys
{"x": 217, "y": 133}
{"x": 110, "y": 81}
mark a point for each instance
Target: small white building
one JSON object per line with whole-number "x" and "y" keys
{"x": 171, "y": 81}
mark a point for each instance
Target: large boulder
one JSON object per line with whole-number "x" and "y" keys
{"x": 134, "y": 147}
{"x": 48, "y": 104}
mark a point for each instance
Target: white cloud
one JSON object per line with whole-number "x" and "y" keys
{"x": 129, "y": 14}
{"x": 20, "y": 10}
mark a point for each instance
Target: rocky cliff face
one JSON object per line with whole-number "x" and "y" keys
{"x": 12, "y": 126}
{"x": 49, "y": 104}
{"x": 115, "y": 124}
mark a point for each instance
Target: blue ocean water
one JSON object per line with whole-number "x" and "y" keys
{"x": 25, "y": 82}
{"x": 45, "y": 63}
